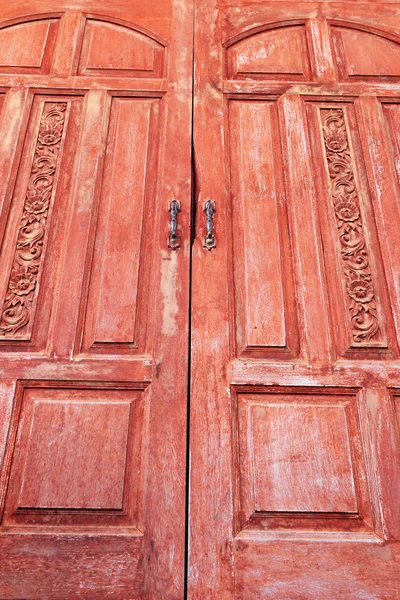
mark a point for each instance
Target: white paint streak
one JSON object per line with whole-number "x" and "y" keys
{"x": 372, "y": 399}
{"x": 169, "y": 268}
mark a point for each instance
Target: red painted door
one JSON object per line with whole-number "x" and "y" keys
{"x": 94, "y": 145}
{"x": 295, "y": 393}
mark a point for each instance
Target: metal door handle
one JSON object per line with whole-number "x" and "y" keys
{"x": 209, "y": 208}
{"x": 174, "y": 240}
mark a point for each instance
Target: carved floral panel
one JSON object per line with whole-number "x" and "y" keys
{"x": 17, "y": 310}
{"x": 355, "y": 258}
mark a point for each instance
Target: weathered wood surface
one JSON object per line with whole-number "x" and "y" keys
{"x": 295, "y": 441}
{"x": 295, "y": 391}
{"x": 95, "y": 142}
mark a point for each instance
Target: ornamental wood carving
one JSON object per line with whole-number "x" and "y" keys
{"x": 355, "y": 259}
{"x": 25, "y": 271}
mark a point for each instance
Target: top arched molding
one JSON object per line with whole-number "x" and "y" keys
{"x": 284, "y": 50}
{"x": 362, "y": 52}
{"x": 27, "y": 44}
{"x": 106, "y": 46}
{"x": 275, "y": 51}
{"x": 114, "y": 47}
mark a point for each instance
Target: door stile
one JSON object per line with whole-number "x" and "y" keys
{"x": 210, "y": 494}
{"x": 87, "y": 170}
{"x": 164, "y": 576}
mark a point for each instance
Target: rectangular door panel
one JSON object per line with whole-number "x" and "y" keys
{"x": 86, "y": 470}
{"x": 116, "y": 310}
{"x": 300, "y": 461}
{"x": 265, "y": 307}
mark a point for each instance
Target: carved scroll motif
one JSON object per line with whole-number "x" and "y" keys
{"x": 23, "y": 282}
{"x": 354, "y": 254}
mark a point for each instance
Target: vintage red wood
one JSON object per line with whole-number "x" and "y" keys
{"x": 294, "y": 447}
{"x": 95, "y": 143}
{"x": 295, "y": 441}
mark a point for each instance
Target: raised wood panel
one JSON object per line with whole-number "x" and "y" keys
{"x": 107, "y": 566}
{"x": 28, "y": 47}
{"x": 362, "y": 54}
{"x": 117, "y": 298}
{"x": 12, "y": 128}
{"x": 276, "y": 53}
{"x": 317, "y": 569}
{"x": 111, "y": 49}
{"x": 265, "y": 307}
{"x": 300, "y": 462}
{"x": 36, "y": 217}
{"x": 381, "y": 157}
{"x": 362, "y": 325}
{"x": 295, "y": 467}
{"x": 77, "y": 457}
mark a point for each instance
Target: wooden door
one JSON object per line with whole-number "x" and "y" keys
{"x": 94, "y": 146}
{"x": 295, "y": 403}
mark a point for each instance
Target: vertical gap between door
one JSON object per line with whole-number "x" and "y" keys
{"x": 192, "y": 238}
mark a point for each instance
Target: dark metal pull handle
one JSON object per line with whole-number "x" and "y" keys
{"x": 174, "y": 240}
{"x": 209, "y": 240}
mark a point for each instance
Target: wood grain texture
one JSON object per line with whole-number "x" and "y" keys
{"x": 264, "y": 302}
{"x": 36, "y": 54}
{"x": 114, "y": 311}
{"x": 295, "y": 434}
{"x": 61, "y": 565}
{"x": 93, "y": 452}
{"x": 296, "y": 471}
{"x": 86, "y": 468}
{"x": 297, "y": 569}
{"x": 211, "y": 489}
{"x": 276, "y": 53}
{"x": 378, "y": 126}
{"x": 127, "y": 52}
{"x": 312, "y": 469}
{"x": 309, "y": 271}
{"x": 381, "y": 60}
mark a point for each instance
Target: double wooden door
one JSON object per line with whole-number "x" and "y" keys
{"x": 278, "y": 474}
